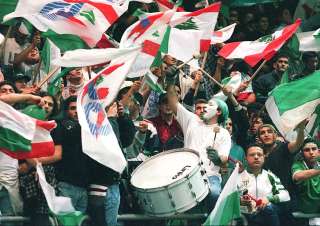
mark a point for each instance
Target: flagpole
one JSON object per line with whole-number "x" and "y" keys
{"x": 50, "y": 74}
{"x": 211, "y": 78}
{"x": 257, "y": 71}
{"x": 203, "y": 63}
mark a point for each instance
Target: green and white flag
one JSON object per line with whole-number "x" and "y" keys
{"x": 228, "y": 205}
{"x": 152, "y": 82}
{"x": 290, "y": 103}
{"x": 49, "y": 53}
{"x": 309, "y": 41}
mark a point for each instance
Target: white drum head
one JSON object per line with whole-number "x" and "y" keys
{"x": 164, "y": 169}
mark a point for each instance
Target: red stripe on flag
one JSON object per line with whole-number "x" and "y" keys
{"x": 273, "y": 46}
{"x": 38, "y": 150}
{"x": 213, "y": 8}
{"x": 47, "y": 125}
{"x": 104, "y": 43}
{"x": 169, "y": 5}
{"x": 217, "y": 33}
{"x": 110, "y": 69}
{"x": 228, "y": 49}
{"x": 107, "y": 10}
{"x": 150, "y": 47}
{"x": 142, "y": 26}
{"x": 204, "y": 45}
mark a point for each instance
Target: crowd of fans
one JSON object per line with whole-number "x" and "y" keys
{"x": 282, "y": 175}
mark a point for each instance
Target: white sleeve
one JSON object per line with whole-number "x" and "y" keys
{"x": 184, "y": 117}
{"x": 223, "y": 146}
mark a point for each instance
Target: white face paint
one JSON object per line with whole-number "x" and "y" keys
{"x": 210, "y": 111}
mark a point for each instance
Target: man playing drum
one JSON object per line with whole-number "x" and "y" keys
{"x": 203, "y": 134}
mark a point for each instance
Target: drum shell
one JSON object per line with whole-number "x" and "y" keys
{"x": 177, "y": 197}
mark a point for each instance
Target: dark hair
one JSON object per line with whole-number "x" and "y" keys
{"x": 200, "y": 101}
{"x": 67, "y": 102}
{"x": 280, "y": 55}
{"x": 163, "y": 98}
{"x": 309, "y": 140}
{"x": 55, "y": 103}
{"x": 307, "y": 55}
{"x": 254, "y": 145}
{"x": 5, "y": 82}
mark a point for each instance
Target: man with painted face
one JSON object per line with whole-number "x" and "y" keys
{"x": 203, "y": 134}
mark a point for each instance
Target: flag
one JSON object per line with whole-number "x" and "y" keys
{"x": 309, "y": 41}
{"x": 165, "y": 5}
{"x": 88, "y": 19}
{"x": 152, "y": 82}
{"x": 49, "y": 53}
{"x": 290, "y": 103}
{"x": 263, "y": 48}
{"x": 227, "y": 207}
{"x": 223, "y": 34}
{"x": 87, "y": 57}
{"x": 98, "y": 139}
{"x": 233, "y": 81}
{"x": 149, "y": 32}
{"x": 22, "y": 136}
{"x": 1, "y": 38}
{"x": 203, "y": 19}
{"x": 54, "y": 86}
{"x": 7, "y": 7}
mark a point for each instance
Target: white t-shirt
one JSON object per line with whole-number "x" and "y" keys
{"x": 8, "y": 169}
{"x": 11, "y": 49}
{"x": 198, "y": 136}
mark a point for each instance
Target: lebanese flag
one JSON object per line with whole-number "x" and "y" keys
{"x": 23, "y": 137}
{"x": 263, "y": 48}
{"x": 98, "y": 138}
{"x": 88, "y": 19}
{"x": 149, "y": 33}
{"x": 223, "y": 34}
{"x": 165, "y": 5}
{"x": 201, "y": 21}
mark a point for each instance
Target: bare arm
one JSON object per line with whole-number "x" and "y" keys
{"x": 305, "y": 174}
{"x": 14, "y": 98}
{"x": 295, "y": 145}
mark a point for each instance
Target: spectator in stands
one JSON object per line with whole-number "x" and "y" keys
{"x": 72, "y": 169}
{"x": 261, "y": 191}
{"x": 75, "y": 81}
{"x": 267, "y": 82}
{"x": 311, "y": 63}
{"x": 306, "y": 175}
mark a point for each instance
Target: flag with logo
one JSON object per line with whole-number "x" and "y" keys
{"x": 290, "y": 103}
{"x": 88, "y": 19}
{"x": 227, "y": 207}
{"x": 24, "y": 137}
{"x": 263, "y": 48}
{"x": 98, "y": 138}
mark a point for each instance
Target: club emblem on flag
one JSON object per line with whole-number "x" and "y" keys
{"x": 56, "y": 10}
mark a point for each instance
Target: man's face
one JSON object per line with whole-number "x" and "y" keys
{"x": 255, "y": 124}
{"x": 6, "y": 89}
{"x": 199, "y": 108}
{"x": 281, "y": 65}
{"x": 310, "y": 152}
{"x": 312, "y": 63}
{"x": 33, "y": 56}
{"x": 210, "y": 111}
{"x": 75, "y": 76}
{"x": 20, "y": 84}
{"x": 255, "y": 157}
{"x": 264, "y": 23}
{"x": 48, "y": 105}
{"x": 178, "y": 92}
{"x": 267, "y": 136}
{"x": 169, "y": 60}
{"x": 72, "y": 111}
{"x": 165, "y": 109}
{"x": 229, "y": 126}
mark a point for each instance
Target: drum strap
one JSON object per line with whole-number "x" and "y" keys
{"x": 97, "y": 190}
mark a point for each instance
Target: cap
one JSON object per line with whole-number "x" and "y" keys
{"x": 20, "y": 76}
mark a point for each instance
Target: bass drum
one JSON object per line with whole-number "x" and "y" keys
{"x": 170, "y": 183}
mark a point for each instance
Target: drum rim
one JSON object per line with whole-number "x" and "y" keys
{"x": 181, "y": 180}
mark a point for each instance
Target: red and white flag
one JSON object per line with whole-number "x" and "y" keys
{"x": 24, "y": 137}
{"x": 165, "y": 5}
{"x": 148, "y": 32}
{"x": 88, "y": 19}
{"x": 263, "y": 48}
{"x": 223, "y": 34}
{"x": 98, "y": 139}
